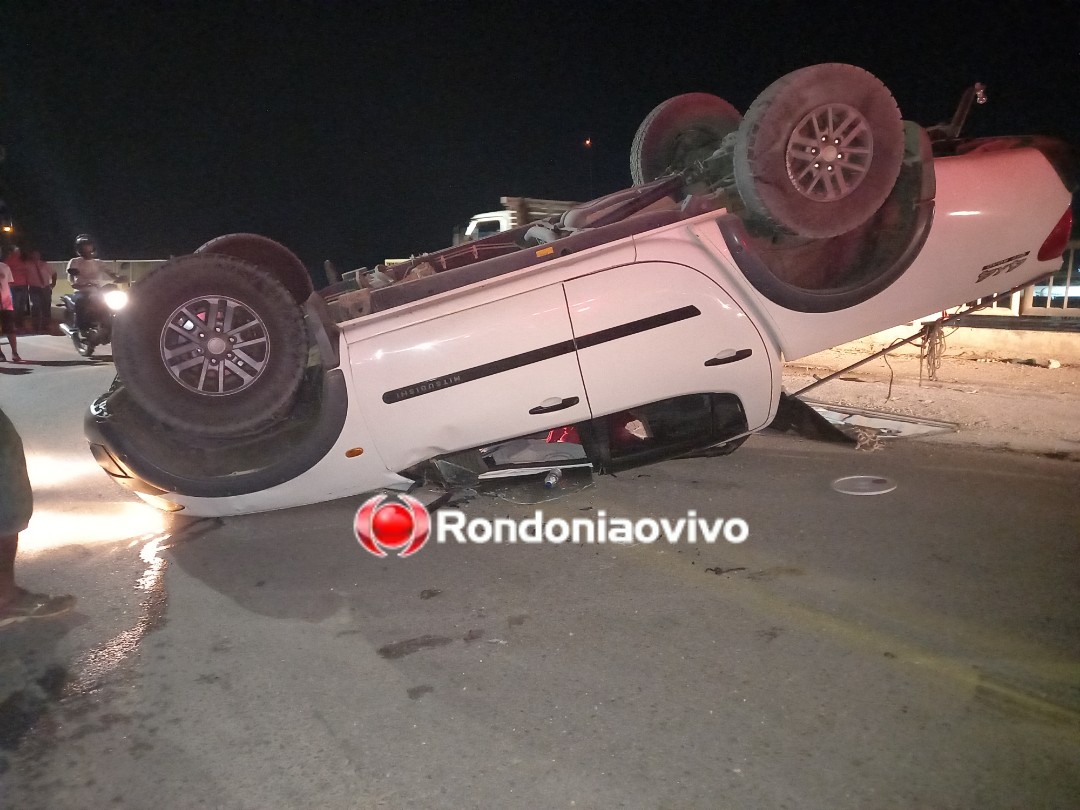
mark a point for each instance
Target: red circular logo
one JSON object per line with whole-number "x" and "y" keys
{"x": 392, "y": 523}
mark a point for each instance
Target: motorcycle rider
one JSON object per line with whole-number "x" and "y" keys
{"x": 86, "y": 273}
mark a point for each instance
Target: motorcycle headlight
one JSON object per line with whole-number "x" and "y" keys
{"x": 116, "y": 299}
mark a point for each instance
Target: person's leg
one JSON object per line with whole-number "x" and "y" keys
{"x": 82, "y": 315}
{"x": 46, "y": 310}
{"x": 16, "y": 504}
{"x": 20, "y": 297}
{"x": 36, "y": 312}
{"x": 35, "y": 309}
{"x": 13, "y": 341}
{"x": 7, "y": 327}
{"x": 16, "y": 299}
{"x": 16, "y": 507}
{"x": 9, "y": 544}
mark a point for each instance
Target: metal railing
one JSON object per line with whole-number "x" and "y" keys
{"x": 1059, "y": 293}
{"x": 131, "y": 269}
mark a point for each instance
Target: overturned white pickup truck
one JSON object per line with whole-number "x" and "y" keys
{"x": 818, "y": 218}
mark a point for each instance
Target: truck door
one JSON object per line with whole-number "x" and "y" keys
{"x": 488, "y": 373}
{"x": 654, "y": 331}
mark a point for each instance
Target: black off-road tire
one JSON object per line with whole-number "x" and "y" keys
{"x": 146, "y": 347}
{"x": 679, "y": 132}
{"x": 787, "y": 188}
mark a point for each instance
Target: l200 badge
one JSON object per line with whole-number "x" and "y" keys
{"x": 1003, "y": 266}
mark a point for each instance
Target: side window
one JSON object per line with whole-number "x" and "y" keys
{"x": 487, "y": 227}
{"x": 664, "y": 429}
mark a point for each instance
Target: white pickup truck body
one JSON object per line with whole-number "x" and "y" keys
{"x": 578, "y": 332}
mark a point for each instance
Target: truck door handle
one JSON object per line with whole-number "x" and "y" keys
{"x": 554, "y": 404}
{"x": 729, "y": 356}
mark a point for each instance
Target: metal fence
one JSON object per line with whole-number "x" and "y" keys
{"x": 1059, "y": 293}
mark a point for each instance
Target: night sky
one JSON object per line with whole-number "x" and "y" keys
{"x": 361, "y": 131}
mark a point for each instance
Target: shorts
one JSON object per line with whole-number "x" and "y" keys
{"x": 16, "y": 499}
{"x": 7, "y": 321}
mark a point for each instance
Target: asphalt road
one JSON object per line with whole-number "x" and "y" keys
{"x": 919, "y": 648}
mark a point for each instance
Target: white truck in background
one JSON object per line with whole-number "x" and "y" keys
{"x": 516, "y": 211}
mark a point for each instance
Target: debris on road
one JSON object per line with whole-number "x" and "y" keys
{"x": 884, "y": 425}
{"x": 863, "y": 485}
{"x": 399, "y": 649}
{"x": 721, "y": 571}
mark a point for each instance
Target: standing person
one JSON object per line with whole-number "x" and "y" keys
{"x": 86, "y": 272}
{"x": 20, "y": 286}
{"x": 7, "y": 314}
{"x": 42, "y": 279}
{"x": 16, "y": 505}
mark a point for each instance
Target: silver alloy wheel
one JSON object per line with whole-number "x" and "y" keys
{"x": 829, "y": 152}
{"x": 215, "y": 345}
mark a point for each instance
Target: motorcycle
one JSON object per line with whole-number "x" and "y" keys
{"x": 101, "y": 307}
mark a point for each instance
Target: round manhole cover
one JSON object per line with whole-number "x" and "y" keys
{"x": 863, "y": 485}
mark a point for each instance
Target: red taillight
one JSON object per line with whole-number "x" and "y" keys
{"x": 1055, "y": 243}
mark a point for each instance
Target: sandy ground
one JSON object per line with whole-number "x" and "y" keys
{"x": 996, "y": 404}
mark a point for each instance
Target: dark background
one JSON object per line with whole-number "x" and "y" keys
{"x": 362, "y": 131}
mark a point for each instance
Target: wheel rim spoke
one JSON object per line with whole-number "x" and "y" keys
{"x": 809, "y": 170}
{"x": 798, "y": 139}
{"x": 226, "y": 323}
{"x": 191, "y": 362}
{"x": 253, "y": 342}
{"x": 249, "y": 360}
{"x": 211, "y": 313}
{"x": 185, "y": 348}
{"x": 235, "y": 369}
{"x": 184, "y": 333}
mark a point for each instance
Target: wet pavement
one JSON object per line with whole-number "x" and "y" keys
{"x": 919, "y": 648}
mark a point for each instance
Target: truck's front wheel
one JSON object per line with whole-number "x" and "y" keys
{"x": 211, "y": 345}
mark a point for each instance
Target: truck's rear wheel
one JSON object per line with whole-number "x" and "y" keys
{"x": 819, "y": 151}
{"x": 211, "y": 345}
{"x": 678, "y": 133}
